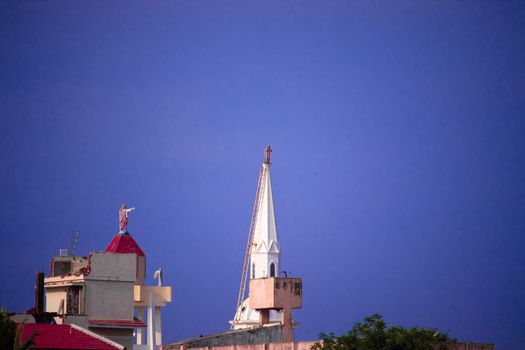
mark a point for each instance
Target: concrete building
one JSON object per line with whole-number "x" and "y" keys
{"x": 105, "y": 294}
{"x": 258, "y": 335}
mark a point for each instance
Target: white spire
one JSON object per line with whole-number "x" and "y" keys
{"x": 266, "y": 249}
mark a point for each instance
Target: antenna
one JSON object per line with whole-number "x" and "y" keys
{"x": 73, "y": 240}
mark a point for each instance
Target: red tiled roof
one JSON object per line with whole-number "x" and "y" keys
{"x": 54, "y": 336}
{"x": 122, "y": 323}
{"x": 124, "y": 244}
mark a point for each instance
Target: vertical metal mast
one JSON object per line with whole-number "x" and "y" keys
{"x": 73, "y": 240}
{"x": 253, "y": 223}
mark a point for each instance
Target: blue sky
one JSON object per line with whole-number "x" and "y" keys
{"x": 398, "y": 165}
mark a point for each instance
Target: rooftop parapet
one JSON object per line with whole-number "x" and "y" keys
{"x": 276, "y": 293}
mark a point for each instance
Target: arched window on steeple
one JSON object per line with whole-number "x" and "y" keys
{"x": 253, "y": 270}
{"x": 272, "y": 270}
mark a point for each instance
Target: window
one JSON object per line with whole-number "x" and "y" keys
{"x": 73, "y": 300}
{"x": 253, "y": 270}
{"x": 272, "y": 270}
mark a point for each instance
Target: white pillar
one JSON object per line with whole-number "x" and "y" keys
{"x": 151, "y": 326}
{"x": 158, "y": 327}
{"x": 141, "y": 336}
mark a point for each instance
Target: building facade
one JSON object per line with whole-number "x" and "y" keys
{"x": 105, "y": 293}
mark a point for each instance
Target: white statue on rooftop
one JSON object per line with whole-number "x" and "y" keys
{"x": 158, "y": 276}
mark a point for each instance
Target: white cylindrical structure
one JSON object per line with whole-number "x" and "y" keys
{"x": 151, "y": 325}
{"x": 158, "y": 327}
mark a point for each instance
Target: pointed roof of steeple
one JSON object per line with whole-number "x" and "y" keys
{"x": 265, "y": 235}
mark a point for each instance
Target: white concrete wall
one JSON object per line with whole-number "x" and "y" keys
{"x": 115, "y": 267}
{"x": 111, "y": 300}
{"x": 53, "y": 298}
{"x": 141, "y": 270}
{"x": 109, "y": 286}
{"x": 121, "y": 336}
{"x": 262, "y": 261}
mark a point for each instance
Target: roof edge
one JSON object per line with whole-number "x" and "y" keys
{"x": 97, "y": 336}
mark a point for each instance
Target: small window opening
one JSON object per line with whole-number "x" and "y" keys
{"x": 73, "y": 300}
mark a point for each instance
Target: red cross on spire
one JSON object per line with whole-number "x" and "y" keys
{"x": 267, "y": 152}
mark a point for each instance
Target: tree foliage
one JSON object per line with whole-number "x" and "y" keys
{"x": 10, "y": 334}
{"x": 373, "y": 334}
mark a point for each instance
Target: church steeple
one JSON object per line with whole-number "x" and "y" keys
{"x": 263, "y": 252}
{"x": 266, "y": 250}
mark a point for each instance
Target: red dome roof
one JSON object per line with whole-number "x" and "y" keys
{"x": 124, "y": 244}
